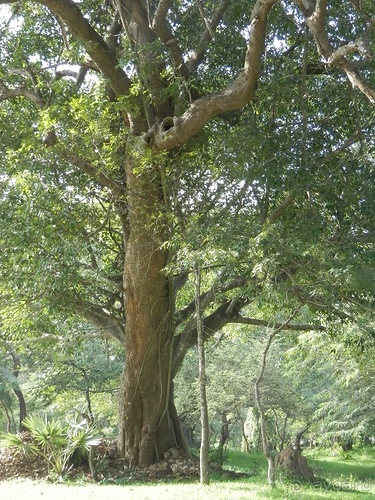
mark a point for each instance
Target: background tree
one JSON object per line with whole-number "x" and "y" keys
{"x": 10, "y": 375}
{"x": 134, "y": 109}
{"x": 86, "y": 372}
{"x": 7, "y": 382}
{"x": 300, "y": 390}
{"x": 337, "y": 385}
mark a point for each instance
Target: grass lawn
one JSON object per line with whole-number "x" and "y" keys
{"x": 350, "y": 477}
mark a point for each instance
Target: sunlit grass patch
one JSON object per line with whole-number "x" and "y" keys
{"x": 357, "y": 464}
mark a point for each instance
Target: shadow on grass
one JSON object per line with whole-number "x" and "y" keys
{"x": 357, "y": 465}
{"x": 346, "y": 469}
{"x": 336, "y": 477}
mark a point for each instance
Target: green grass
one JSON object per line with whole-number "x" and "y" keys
{"x": 358, "y": 463}
{"x": 349, "y": 476}
{"x": 251, "y": 463}
{"x": 341, "y": 477}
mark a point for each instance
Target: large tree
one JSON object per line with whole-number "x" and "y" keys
{"x": 141, "y": 108}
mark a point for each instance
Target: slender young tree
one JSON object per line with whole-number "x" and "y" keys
{"x": 204, "y": 471}
{"x": 11, "y": 353}
{"x": 267, "y": 449}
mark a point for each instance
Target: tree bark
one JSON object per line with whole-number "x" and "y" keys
{"x": 204, "y": 476}
{"x": 17, "y": 391}
{"x": 224, "y": 436}
{"x": 146, "y": 427}
{"x": 8, "y": 416}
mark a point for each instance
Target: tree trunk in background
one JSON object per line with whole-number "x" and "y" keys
{"x": 17, "y": 390}
{"x": 267, "y": 450}
{"x": 8, "y": 416}
{"x": 22, "y": 407}
{"x": 245, "y": 446}
{"x": 224, "y": 436}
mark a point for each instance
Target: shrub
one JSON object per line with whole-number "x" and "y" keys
{"x": 56, "y": 441}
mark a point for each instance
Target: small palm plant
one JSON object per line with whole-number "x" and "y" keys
{"x": 56, "y": 441}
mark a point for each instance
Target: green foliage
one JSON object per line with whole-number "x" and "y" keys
{"x": 55, "y": 441}
{"x": 253, "y": 463}
{"x": 232, "y": 365}
{"x": 222, "y": 186}
{"x": 337, "y": 386}
{"x": 331, "y": 394}
{"x": 14, "y": 440}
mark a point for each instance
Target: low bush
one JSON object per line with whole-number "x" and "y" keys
{"x": 60, "y": 443}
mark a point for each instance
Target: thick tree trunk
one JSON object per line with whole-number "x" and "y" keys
{"x": 146, "y": 426}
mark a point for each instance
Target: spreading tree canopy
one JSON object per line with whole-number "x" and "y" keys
{"x": 139, "y": 137}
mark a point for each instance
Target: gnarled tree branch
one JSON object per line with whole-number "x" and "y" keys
{"x": 164, "y": 32}
{"x": 269, "y": 324}
{"x": 8, "y": 93}
{"x": 96, "y": 47}
{"x": 207, "y": 35}
{"x": 235, "y": 96}
{"x": 315, "y": 17}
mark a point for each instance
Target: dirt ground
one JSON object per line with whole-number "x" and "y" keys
{"x": 27, "y": 478}
{"x": 175, "y": 465}
{"x": 31, "y": 490}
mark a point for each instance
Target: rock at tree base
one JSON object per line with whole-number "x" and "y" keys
{"x": 291, "y": 461}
